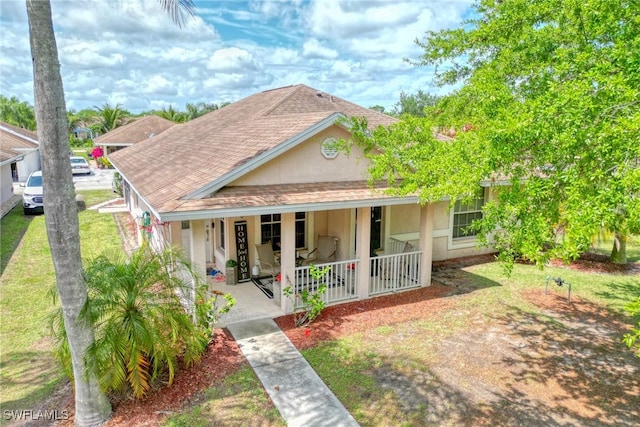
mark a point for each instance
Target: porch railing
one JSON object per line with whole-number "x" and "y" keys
{"x": 391, "y": 273}
{"x": 341, "y": 280}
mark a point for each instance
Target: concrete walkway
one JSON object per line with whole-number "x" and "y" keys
{"x": 302, "y": 398}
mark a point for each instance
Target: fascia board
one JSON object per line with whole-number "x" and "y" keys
{"x": 302, "y": 207}
{"x": 260, "y": 160}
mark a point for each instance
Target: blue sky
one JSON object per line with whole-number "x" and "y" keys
{"x": 128, "y": 52}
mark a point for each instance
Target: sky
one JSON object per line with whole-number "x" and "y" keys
{"x": 129, "y": 52}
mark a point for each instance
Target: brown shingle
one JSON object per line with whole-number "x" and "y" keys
{"x": 186, "y": 158}
{"x": 136, "y": 131}
{"x": 14, "y": 141}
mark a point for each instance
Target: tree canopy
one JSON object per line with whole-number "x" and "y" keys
{"x": 547, "y": 101}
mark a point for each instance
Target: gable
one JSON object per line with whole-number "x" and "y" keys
{"x": 305, "y": 164}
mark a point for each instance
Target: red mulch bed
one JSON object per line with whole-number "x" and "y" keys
{"x": 359, "y": 316}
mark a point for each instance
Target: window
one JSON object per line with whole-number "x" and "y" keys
{"x": 221, "y": 228}
{"x": 271, "y": 230}
{"x": 465, "y": 213}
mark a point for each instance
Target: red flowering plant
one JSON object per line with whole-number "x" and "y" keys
{"x": 97, "y": 152}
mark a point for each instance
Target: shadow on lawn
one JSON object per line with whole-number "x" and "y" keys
{"x": 14, "y": 226}
{"x": 573, "y": 355}
{"x": 378, "y": 390}
{"x": 616, "y": 291}
{"x": 27, "y": 371}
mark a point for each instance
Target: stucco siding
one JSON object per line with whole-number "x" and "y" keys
{"x": 306, "y": 164}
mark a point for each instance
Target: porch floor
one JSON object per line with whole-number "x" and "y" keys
{"x": 251, "y": 303}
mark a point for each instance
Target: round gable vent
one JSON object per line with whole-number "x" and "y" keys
{"x": 329, "y": 148}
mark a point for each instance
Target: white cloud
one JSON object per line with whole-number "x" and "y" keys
{"x": 314, "y": 49}
{"x": 129, "y": 51}
{"x": 231, "y": 60}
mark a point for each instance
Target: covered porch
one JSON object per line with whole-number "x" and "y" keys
{"x": 365, "y": 265}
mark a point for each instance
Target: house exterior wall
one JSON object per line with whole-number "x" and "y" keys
{"x": 30, "y": 163}
{"x": 404, "y": 220}
{"x": 305, "y": 162}
{"x": 6, "y": 183}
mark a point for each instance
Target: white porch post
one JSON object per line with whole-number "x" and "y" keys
{"x": 197, "y": 242}
{"x": 175, "y": 232}
{"x": 287, "y": 256}
{"x": 426, "y": 243}
{"x": 363, "y": 248}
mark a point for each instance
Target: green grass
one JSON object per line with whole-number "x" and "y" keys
{"x": 238, "y": 400}
{"x": 352, "y": 366}
{"x": 28, "y": 372}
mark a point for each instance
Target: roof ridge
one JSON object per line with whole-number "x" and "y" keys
{"x": 18, "y": 134}
{"x": 297, "y": 87}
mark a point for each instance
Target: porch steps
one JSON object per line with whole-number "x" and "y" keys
{"x": 302, "y": 398}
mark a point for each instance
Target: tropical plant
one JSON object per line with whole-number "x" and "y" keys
{"x": 307, "y": 305}
{"x": 91, "y": 405}
{"x": 632, "y": 339}
{"x": 17, "y": 113}
{"x": 136, "y": 308}
{"x": 172, "y": 114}
{"x": 110, "y": 117}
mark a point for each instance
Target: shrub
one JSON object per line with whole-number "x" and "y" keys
{"x": 136, "y": 307}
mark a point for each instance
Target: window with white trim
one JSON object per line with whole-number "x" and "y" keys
{"x": 221, "y": 231}
{"x": 271, "y": 229}
{"x": 465, "y": 213}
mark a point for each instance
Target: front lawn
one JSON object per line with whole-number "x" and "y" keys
{"x": 28, "y": 371}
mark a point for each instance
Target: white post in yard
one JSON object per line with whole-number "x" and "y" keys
{"x": 426, "y": 243}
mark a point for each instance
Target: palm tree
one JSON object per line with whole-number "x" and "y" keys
{"x": 17, "y": 113}
{"x": 172, "y": 114}
{"x": 110, "y": 117}
{"x": 91, "y": 405}
{"x": 139, "y": 320}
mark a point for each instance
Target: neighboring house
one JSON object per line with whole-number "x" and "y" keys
{"x": 132, "y": 133}
{"x": 266, "y": 169}
{"x": 19, "y": 156}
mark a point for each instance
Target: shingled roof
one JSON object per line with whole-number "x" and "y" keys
{"x": 136, "y": 131}
{"x": 15, "y": 141}
{"x": 200, "y": 155}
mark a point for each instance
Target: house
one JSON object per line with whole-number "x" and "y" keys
{"x": 132, "y": 133}
{"x": 19, "y": 156}
{"x": 266, "y": 169}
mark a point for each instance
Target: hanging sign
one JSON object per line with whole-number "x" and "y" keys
{"x": 242, "y": 251}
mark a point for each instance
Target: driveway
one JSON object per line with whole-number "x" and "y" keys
{"x": 100, "y": 179}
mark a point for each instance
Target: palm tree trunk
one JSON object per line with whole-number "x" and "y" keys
{"x": 61, "y": 212}
{"x": 619, "y": 251}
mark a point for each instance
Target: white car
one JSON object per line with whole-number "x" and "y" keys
{"x": 80, "y": 165}
{"x": 32, "y": 199}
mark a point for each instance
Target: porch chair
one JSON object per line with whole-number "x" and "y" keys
{"x": 267, "y": 259}
{"x": 326, "y": 251}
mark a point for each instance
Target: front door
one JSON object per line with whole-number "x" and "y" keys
{"x": 376, "y": 229}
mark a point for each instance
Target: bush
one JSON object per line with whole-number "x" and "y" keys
{"x": 141, "y": 326}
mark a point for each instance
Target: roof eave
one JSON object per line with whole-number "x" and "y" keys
{"x": 262, "y": 210}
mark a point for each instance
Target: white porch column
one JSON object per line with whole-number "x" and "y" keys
{"x": 426, "y": 243}
{"x": 363, "y": 249}
{"x": 287, "y": 256}
{"x": 175, "y": 231}
{"x": 197, "y": 242}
